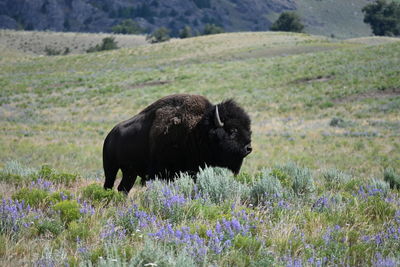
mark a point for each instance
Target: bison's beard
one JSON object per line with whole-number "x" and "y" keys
{"x": 235, "y": 168}
{"x": 232, "y": 163}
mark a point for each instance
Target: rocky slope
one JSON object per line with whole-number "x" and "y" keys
{"x": 232, "y": 15}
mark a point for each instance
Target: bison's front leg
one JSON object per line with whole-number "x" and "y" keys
{"x": 128, "y": 179}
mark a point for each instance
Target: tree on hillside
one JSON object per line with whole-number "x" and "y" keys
{"x": 185, "y": 32}
{"x": 108, "y": 43}
{"x": 383, "y": 17}
{"x": 127, "y": 26}
{"x": 212, "y": 29}
{"x": 159, "y": 35}
{"x": 288, "y": 22}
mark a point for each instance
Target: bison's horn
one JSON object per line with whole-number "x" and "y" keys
{"x": 218, "y": 121}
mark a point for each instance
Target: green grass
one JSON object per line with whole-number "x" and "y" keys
{"x": 57, "y": 110}
{"x": 354, "y": 222}
{"x": 330, "y": 108}
{"x": 35, "y": 42}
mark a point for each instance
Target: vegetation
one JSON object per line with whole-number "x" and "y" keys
{"x": 55, "y": 52}
{"x": 288, "y": 22}
{"x": 58, "y": 43}
{"x": 203, "y": 3}
{"x": 159, "y": 35}
{"x": 97, "y": 194}
{"x": 212, "y": 29}
{"x": 127, "y": 26}
{"x": 108, "y": 43}
{"x": 320, "y": 187}
{"x": 383, "y": 17}
{"x": 186, "y": 32}
{"x": 217, "y": 221}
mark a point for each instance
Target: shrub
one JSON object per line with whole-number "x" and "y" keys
{"x": 185, "y": 32}
{"x": 127, "y": 26}
{"x": 96, "y": 193}
{"x": 212, "y": 29}
{"x": 218, "y": 185}
{"x": 248, "y": 244}
{"x": 393, "y": 178}
{"x": 78, "y": 230}
{"x": 69, "y": 210}
{"x": 10, "y": 178}
{"x": 337, "y": 122}
{"x": 108, "y": 43}
{"x": 50, "y": 51}
{"x": 380, "y": 186}
{"x": 14, "y": 172}
{"x": 32, "y": 196}
{"x": 353, "y": 185}
{"x": 300, "y": 179}
{"x": 159, "y": 35}
{"x": 208, "y": 211}
{"x": 47, "y": 173}
{"x": 334, "y": 178}
{"x": 59, "y": 196}
{"x": 48, "y": 226}
{"x": 267, "y": 187}
{"x": 16, "y": 168}
{"x": 185, "y": 185}
{"x": 245, "y": 178}
{"x": 288, "y": 22}
{"x": 165, "y": 199}
{"x": 377, "y": 209}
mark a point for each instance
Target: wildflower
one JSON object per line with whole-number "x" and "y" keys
{"x": 42, "y": 184}
{"x": 13, "y": 215}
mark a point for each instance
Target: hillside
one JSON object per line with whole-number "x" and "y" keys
{"x": 340, "y": 18}
{"x": 321, "y": 187}
{"x": 36, "y": 43}
{"x": 292, "y": 84}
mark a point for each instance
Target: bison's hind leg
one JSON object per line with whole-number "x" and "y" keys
{"x": 128, "y": 179}
{"x": 110, "y": 172}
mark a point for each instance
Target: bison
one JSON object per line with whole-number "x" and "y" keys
{"x": 177, "y": 133}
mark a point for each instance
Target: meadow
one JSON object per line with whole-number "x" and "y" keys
{"x": 321, "y": 187}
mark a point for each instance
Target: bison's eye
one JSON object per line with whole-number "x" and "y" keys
{"x": 233, "y": 132}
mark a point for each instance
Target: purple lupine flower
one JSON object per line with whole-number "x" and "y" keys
{"x": 45, "y": 262}
{"x": 111, "y": 232}
{"x": 209, "y": 233}
{"x": 13, "y": 216}
{"x": 43, "y": 184}
{"x": 86, "y": 208}
{"x": 218, "y": 228}
{"x": 134, "y": 219}
{"x": 193, "y": 244}
{"x": 292, "y": 262}
{"x": 384, "y": 262}
{"x": 63, "y": 196}
{"x": 236, "y": 225}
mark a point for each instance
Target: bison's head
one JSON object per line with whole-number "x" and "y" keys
{"x": 230, "y": 135}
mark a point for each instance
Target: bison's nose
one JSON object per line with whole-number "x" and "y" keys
{"x": 248, "y": 149}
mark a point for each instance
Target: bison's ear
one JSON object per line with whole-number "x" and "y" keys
{"x": 217, "y": 119}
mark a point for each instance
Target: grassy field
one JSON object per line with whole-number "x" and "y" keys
{"x": 325, "y": 121}
{"x": 35, "y": 42}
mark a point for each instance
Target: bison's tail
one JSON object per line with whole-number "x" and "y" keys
{"x": 110, "y": 168}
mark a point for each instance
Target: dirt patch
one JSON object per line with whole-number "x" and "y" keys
{"x": 147, "y": 84}
{"x": 393, "y": 92}
{"x": 315, "y": 79}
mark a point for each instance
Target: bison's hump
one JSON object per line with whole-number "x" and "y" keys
{"x": 177, "y": 115}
